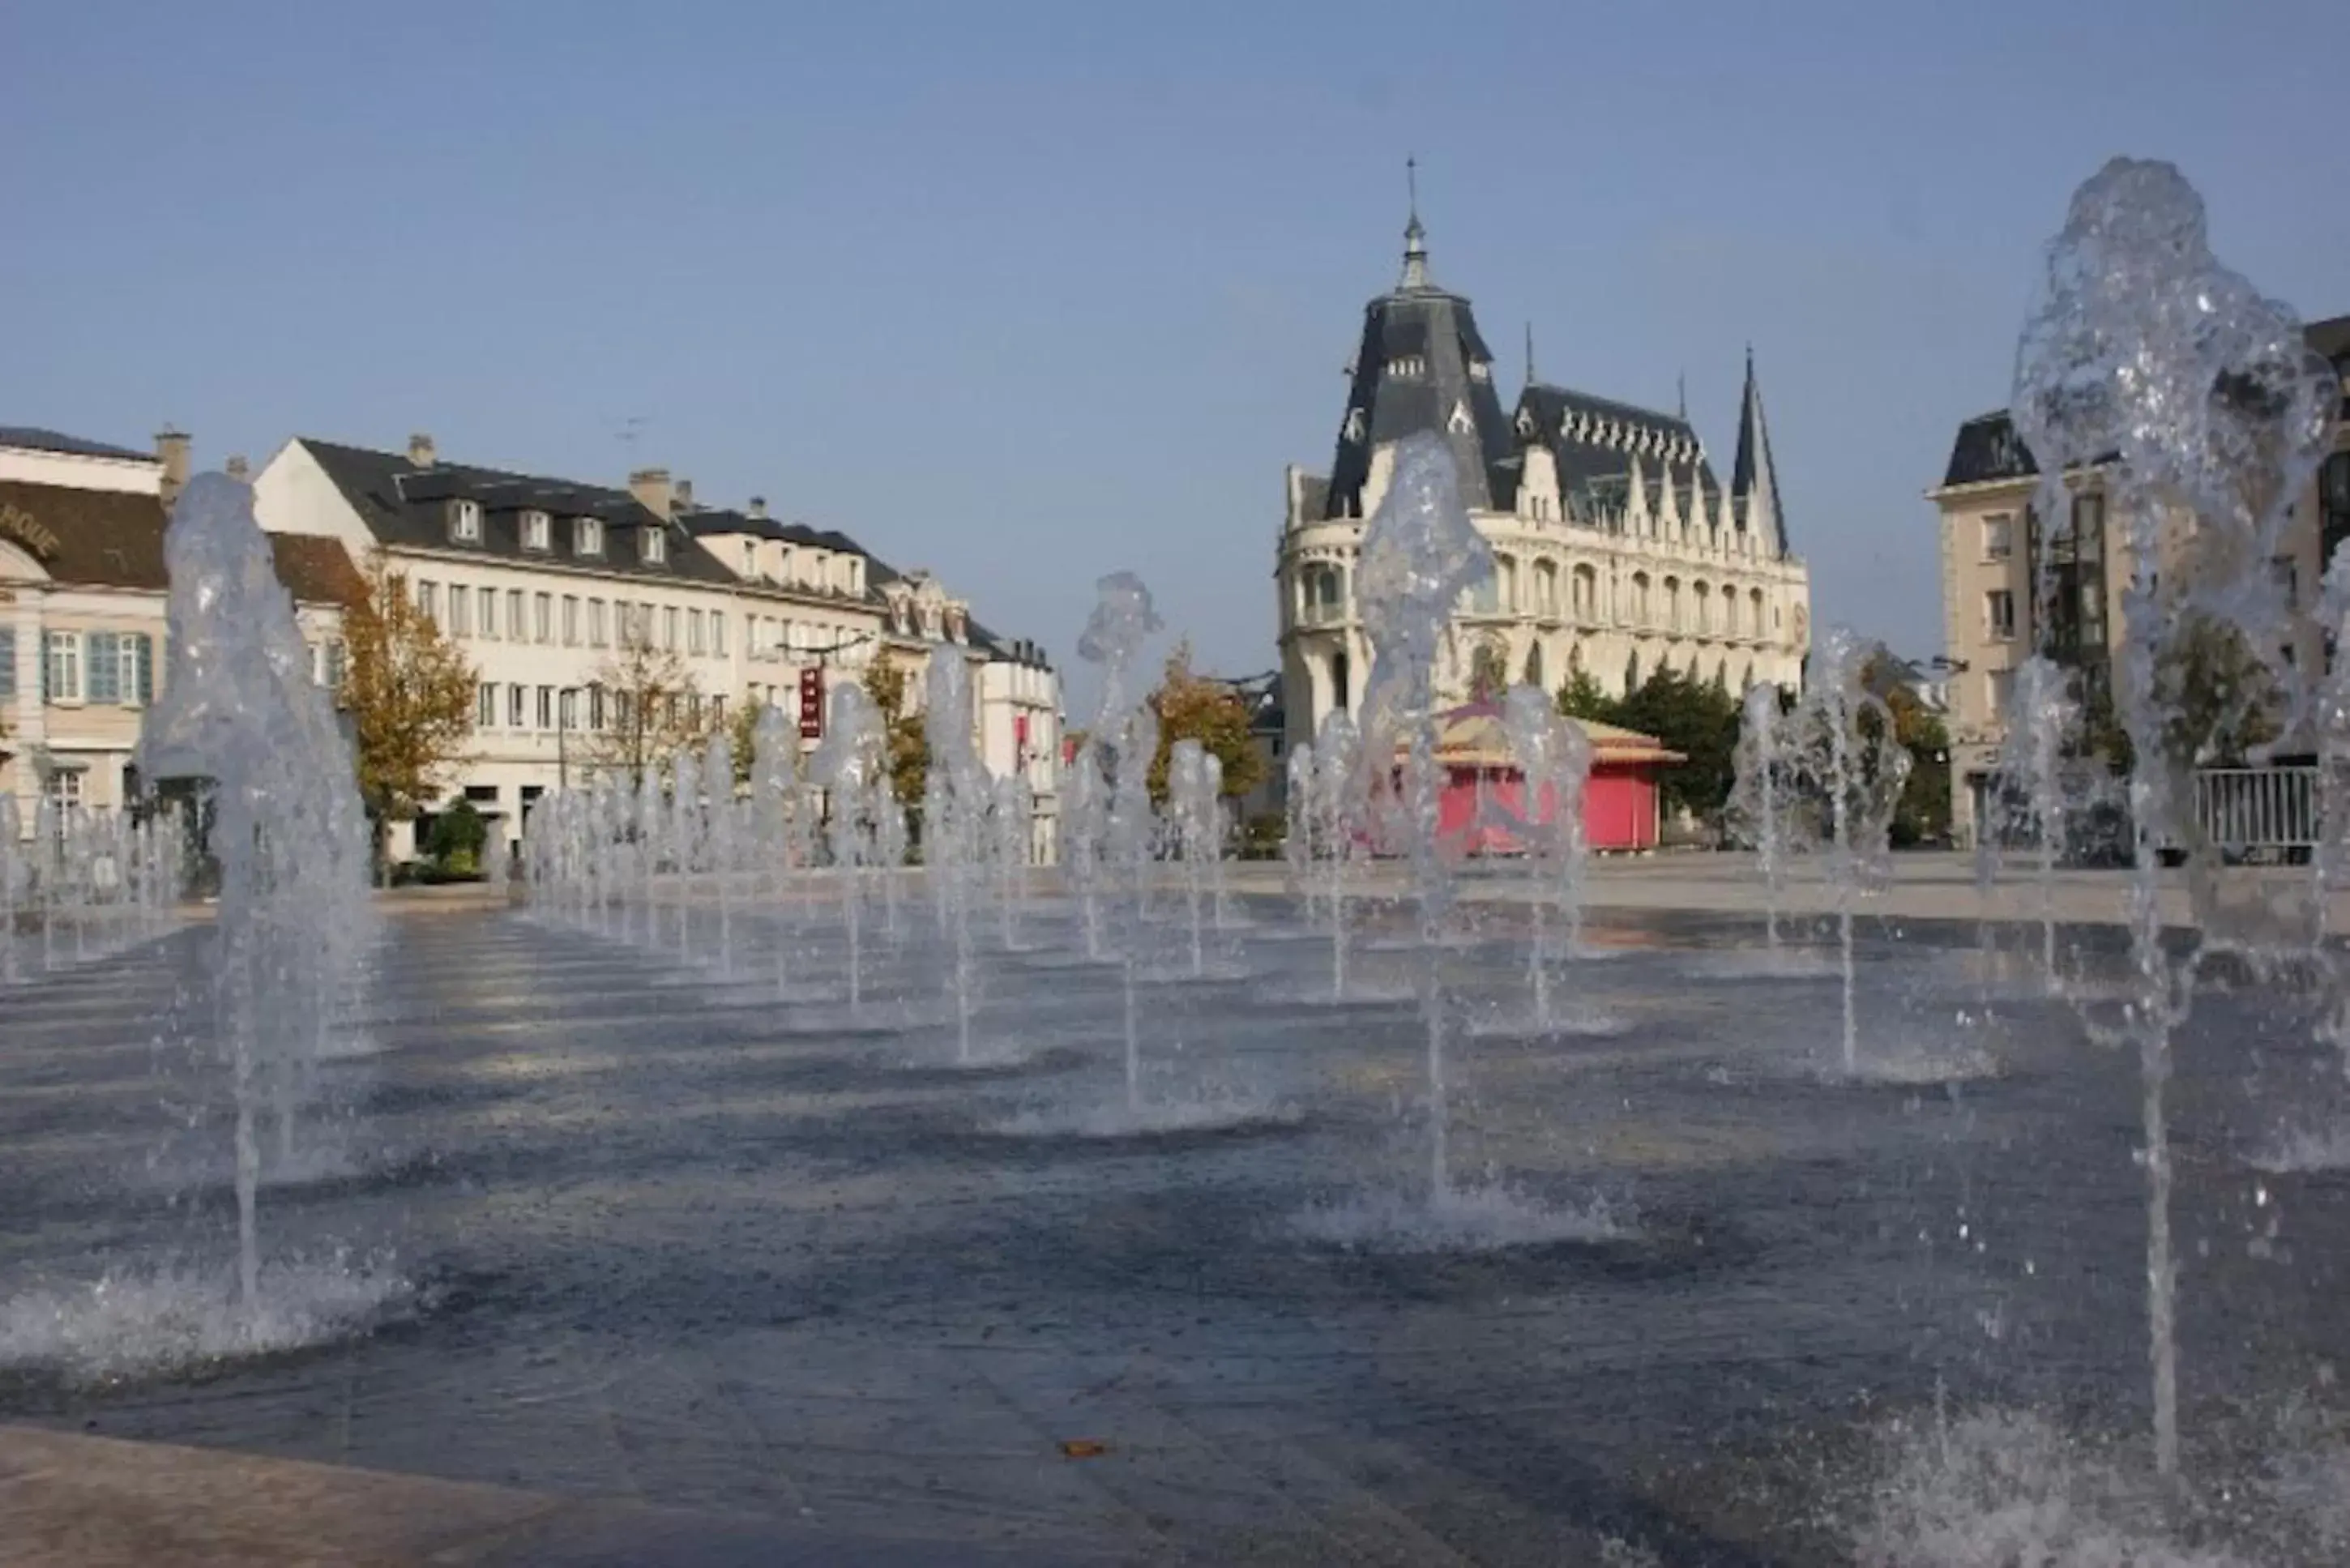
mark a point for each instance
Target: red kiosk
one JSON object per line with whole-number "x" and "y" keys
{"x": 1619, "y": 804}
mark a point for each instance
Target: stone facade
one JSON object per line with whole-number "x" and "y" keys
{"x": 82, "y": 597}
{"x": 538, "y": 579}
{"x": 1617, "y": 550}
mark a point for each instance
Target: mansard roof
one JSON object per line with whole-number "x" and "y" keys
{"x": 1422, "y": 366}
{"x": 1592, "y": 441}
{"x": 1988, "y": 449}
{"x": 405, "y": 506}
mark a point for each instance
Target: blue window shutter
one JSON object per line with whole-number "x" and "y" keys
{"x": 146, "y": 660}
{"x": 41, "y": 658}
{"x": 7, "y": 661}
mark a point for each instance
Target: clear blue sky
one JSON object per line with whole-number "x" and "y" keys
{"x": 1026, "y": 292}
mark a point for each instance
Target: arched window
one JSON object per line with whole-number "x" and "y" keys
{"x": 1641, "y": 598}
{"x": 1546, "y": 587}
{"x": 1338, "y": 673}
{"x": 1673, "y": 604}
{"x": 1701, "y": 608}
{"x": 1754, "y": 622}
{"x": 1534, "y": 665}
{"x": 1587, "y": 592}
{"x": 1505, "y": 576}
{"x": 1730, "y": 611}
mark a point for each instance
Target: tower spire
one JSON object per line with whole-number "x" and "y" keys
{"x": 1754, "y": 481}
{"x": 1415, "y": 238}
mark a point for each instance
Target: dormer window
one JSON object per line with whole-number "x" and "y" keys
{"x": 587, "y": 536}
{"x": 466, "y": 522}
{"x": 652, "y": 542}
{"x": 535, "y": 528}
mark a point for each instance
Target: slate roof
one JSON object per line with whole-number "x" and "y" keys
{"x": 32, "y": 438}
{"x": 1423, "y": 366}
{"x": 403, "y": 504}
{"x": 1597, "y": 466}
{"x": 1753, "y": 466}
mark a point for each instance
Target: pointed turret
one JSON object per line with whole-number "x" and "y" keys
{"x": 1422, "y": 366}
{"x": 1754, "y": 483}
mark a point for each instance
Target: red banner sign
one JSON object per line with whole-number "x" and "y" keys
{"x": 811, "y": 704}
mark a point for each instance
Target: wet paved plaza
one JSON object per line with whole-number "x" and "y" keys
{"x": 676, "y": 1240}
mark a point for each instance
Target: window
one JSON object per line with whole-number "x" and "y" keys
{"x": 595, "y": 707}
{"x": 514, "y": 614}
{"x": 1999, "y": 694}
{"x": 517, "y": 706}
{"x": 461, "y": 610}
{"x": 542, "y": 618}
{"x": 486, "y": 707}
{"x": 486, "y": 607}
{"x": 571, "y": 620}
{"x": 595, "y": 623}
{"x": 122, "y": 668}
{"x": 339, "y": 664}
{"x": 718, "y": 633}
{"x": 535, "y": 528}
{"x": 693, "y": 636}
{"x": 1997, "y": 537}
{"x": 428, "y": 599}
{"x": 65, "y": 790}
{"x": 569, "y": 709}
{"x": 587, "y": 537}
{"x": 655, "y": 546}
{"x": 668, "y": 628}
{"x": 102, "y": 677}
{"x": 7, "y": 661}
{"x": 62, "y": 672}
{"x": 1999, "y": 615}
{"x": 466, "y": 522}
{"x": 546, "y": 707}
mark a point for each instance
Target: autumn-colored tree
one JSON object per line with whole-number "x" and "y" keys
{"x": 891, "y": 686}
{"x": 1192, "y": 707}
{"x": 1923, "y": 812}
{"x": 410, "y": 695}
{"x": 651, "y": 711}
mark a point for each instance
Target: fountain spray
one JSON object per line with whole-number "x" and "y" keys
{"x": 239, "y": 710}
{"x": 1419, "y": 555}
{"x": 845, "y": 763}
{"x": 2147, "y": 367}
{"x": 1553, "y": 758}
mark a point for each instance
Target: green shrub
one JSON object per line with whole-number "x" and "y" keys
{"x": 457, "y": 835}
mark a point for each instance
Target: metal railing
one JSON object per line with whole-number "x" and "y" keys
{"x": 2258, "y": 810}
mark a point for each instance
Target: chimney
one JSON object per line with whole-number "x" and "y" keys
{"x": 685, "y": 496}
{"x": 650, "y": 486}
{"x": 420, "y": 451}
{"x": 758, "y": 508}
{"x": 171, "y": 451}
{"x": 240, "y": 469}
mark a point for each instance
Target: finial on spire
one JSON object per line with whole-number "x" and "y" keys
{"x": 1680, "y": 393}
{"x": 1415, "y": 238}
{"x": 1530, "y": 353}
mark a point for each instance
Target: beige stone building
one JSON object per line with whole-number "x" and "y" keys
{"x": 1992, "y": 546}
{"x": 82, "y": 598}
{"x": 1618, "y": 551}
{"x": 541, "y": 579}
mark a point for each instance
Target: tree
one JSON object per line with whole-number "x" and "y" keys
{"x": 903, "y": 737}
{"x": 1581, "y": 697}
{"x": 651, "y": 712}
{"x": 1923, "y": 812}
{"x": 743, "y": 738}
{"x": 1488, "y": 674}
{"x": 1192, "y": 707}
{"x": 1696, "y": 719}
{"x": 410, "y": 695}
{"x": 457, "y": 837}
